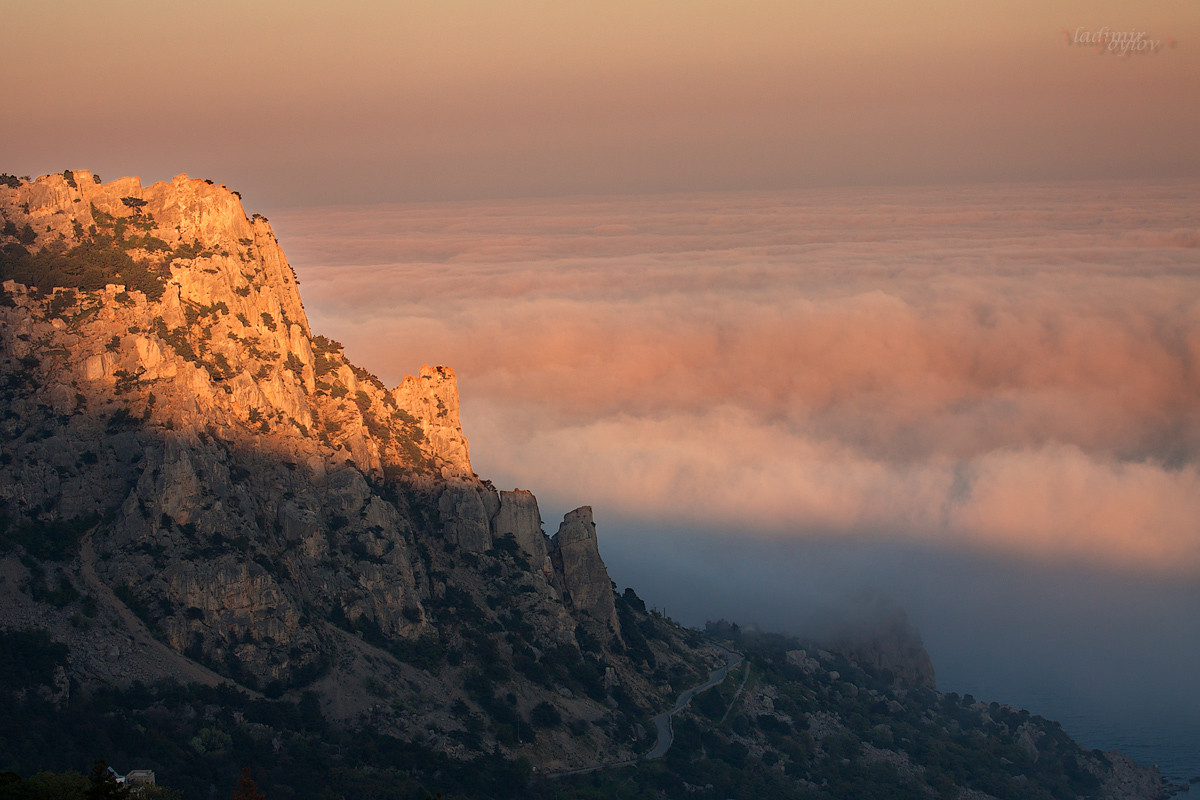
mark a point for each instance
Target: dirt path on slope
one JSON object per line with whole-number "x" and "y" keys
{"x": 737, "y": 694}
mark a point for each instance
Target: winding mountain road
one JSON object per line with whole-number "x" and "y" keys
{"x": 662, "y": 722}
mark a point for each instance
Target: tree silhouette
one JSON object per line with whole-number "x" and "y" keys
{"x": 104, "y": 784}
{"x": 246, "y": 788}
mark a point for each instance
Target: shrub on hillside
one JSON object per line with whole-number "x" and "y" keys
{"x": 98, "y": 259}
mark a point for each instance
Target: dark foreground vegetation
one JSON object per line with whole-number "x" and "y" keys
{"x": 840, "y": 732}
{"x": 101, "y": 784}
{"x": 198, "y": 739}
{"x": 835, "y": 731}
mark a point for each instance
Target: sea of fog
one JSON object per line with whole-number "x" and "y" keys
{"x": 981, "y": 402}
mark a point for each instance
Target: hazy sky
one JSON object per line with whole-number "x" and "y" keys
{"x": 306, "y": 103}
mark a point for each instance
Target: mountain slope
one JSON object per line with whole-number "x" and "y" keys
{"x": 269, "y": 510}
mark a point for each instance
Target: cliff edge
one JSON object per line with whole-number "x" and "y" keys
{"x": 214, "y": 492}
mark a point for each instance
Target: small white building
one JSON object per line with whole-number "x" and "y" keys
{"x": 139, "y": 777}
{"x": 135, "y": 777}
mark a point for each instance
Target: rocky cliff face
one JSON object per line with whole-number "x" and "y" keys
{"x": 876, "y": 634}
{"x": 176, "y": 438}
{"x": 580, "y": 570}
{"x": 896, "y": 649}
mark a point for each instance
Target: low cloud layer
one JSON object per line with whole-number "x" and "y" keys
{"x": 1012, "y": 369}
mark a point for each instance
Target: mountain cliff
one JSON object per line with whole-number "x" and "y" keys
{"x": 178, "y": 444}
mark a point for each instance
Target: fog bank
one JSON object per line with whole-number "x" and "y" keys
{"x": 1005, "y": 369}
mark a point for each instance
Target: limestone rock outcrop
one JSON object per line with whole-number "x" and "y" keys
{"x": 575, "y": 553}
{"x": 882, "y": 639}
{"x": 432, "y": 399}
{"x": 259, "y": 507}
{"x": 519, "y": 517}
{"x": 245, "y": 453}
{"x": 465, "y": 518}
{"x": 227, "y": 324}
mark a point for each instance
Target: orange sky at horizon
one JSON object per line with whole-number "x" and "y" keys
{"x": 307, "y": 103}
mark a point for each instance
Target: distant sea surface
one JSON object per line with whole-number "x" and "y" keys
{"x": 978, "y": 400}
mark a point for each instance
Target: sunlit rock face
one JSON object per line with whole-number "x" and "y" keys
{"x": 432, "y": 398}
{"x": 175, "y": 431}
{"x": 228, "y": 328}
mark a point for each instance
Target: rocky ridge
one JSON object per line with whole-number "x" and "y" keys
{"x": 268, "y": 511}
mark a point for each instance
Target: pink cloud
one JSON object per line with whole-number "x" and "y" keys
{"x": 919, "y": 363}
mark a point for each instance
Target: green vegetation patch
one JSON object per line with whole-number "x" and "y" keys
{"x": 55, "y": 540}
{"x": 100, "y": 257}
{"x": 28, "y": 658}
{"x": 198, "y": 737}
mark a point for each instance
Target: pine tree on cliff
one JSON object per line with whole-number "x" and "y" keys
{"x": 246, "y": 788}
